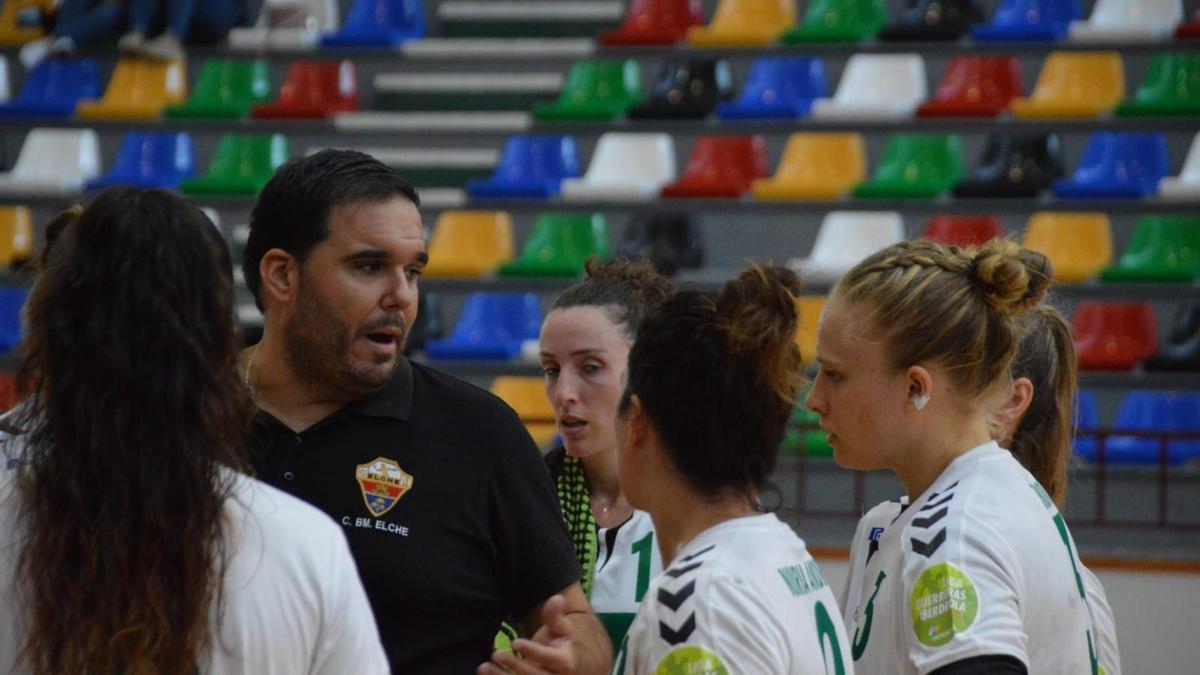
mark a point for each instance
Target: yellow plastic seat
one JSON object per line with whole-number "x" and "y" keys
{"x": 745, "y": 23}
{"x": 809, "y": 307}
{"x": 469, "y": 244}
{"x": 16, "y": 234}
{"x": 12, "y": 32}
{"x": 527, "y": 396}
{"x": 1074, "y": 84}
{"x": 139, "y": 90}
{"x": 1079, "y": 245}
{"x": 816, "y": 166}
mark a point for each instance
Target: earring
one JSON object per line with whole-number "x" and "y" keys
{"x": 920, "y": 400}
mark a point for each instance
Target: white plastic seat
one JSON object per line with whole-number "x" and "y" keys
{"x": 876, "y": 87}
{"x": 1129, "y": 21}
{"x": 53, "y": 162}
{"x": 5, "y": 92}
{"x": 1186, "y": 185}
{"x": 625, "y": 167}
{"x": 845, "y": 238}
{"x": 288, "y": 25}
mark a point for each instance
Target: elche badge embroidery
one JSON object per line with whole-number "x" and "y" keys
{"x": 382, "y": 483}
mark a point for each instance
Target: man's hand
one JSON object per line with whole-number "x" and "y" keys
{"x": 568, "y": 640}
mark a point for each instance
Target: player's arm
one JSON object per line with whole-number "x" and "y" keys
{"x": 566, "y": 637}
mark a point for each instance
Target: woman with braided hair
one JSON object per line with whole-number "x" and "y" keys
{"x": 974, "y": 571}
{"x": 584, "y": 349}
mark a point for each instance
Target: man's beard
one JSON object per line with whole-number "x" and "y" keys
{"x": 317, "y": 346}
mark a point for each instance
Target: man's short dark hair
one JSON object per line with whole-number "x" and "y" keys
{"x": 292, "y": 211}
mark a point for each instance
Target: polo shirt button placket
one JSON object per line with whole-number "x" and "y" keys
{"x": 288, "y": 475}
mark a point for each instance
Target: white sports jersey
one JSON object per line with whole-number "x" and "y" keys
{"x": 742, "y": 598}
{"x": 292, "y": 599}
{"x": 980, "y": 564}
{"x": 624, "y": 572}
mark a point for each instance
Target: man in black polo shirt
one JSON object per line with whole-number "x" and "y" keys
{"x": 448, "y": 508}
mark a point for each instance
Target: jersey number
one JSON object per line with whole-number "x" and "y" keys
{"x": 862, "y": 637}
{"x": 644, "y": 548}
{"x": 826, "y": 630}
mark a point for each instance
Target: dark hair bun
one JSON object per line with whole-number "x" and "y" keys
{"x": 758, "y": 314}
{"x": 1014, "y": 279}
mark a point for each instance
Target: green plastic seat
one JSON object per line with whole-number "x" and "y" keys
{"x": 242, "y": 165}
{"x": 802, "y": 437}
{"x": 915, "y": 166}
{"x": 595, "y": 90}
{"x": 559, "y": 246}
{"x": 839, "y": 21}
{"x": 1171, "y": 88}
{"x": 1163, "y": 249}
{"x": 226, "y": 89}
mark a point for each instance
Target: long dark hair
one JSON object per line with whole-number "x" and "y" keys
{"x": 134, "y": 407}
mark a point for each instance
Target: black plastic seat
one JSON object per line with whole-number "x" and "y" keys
{"x": 670, "y": 241}
{"x": 428, "y": 325}
{"x": 687, "y": 89}
{"x": 932, "y": 20}
{"x": 1181, "y": 350}
{"x": 1015, "y": 166}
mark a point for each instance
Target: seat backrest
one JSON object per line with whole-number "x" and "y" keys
{"x": 16, "y": 234}
{"x": 891, "y": 78}
{"x": 236, "y": 80}
{"x": 775, "y": 78}
{"x": 1191, "y": 165}
{"x": 1159, "y": 411}
{"x": 526, "y": 396}
{"x": 817, "y": 157}
{"x": 756, "y": 13}
{"x": 1123, "y": 157}
{"x": 981, "y": 78}
{"x": 666, "y": 12}
{"x": 59, "y": 153}
{"x": 477, "y": 235}
{"x": 740, "y": 158}
{"x": 963, "y": 230}
{"x": 632, "y": 158}
{"x": 603, "y": 80}
{"x": 1124, "y": 12}
{"x": 530, "y": 158}
{"x": 837, "y": 13}
{"x": 1082, "y": 76}
{"x": 574, "y": 235}
{"x": 846, "y": 237}
{"x": 913, "y": 157}
{"x": 150, "y": 154}
{"x": 487, "y": 317}
{"x": 249, "y": 154}
{"x": 61, "y": 80}
{"x": 393, "y": 14}
{"x": 1072, "y": 241}
{"x": 316, "y": 16}
{"x": 1054, "y": 12}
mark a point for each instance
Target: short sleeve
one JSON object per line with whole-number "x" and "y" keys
{"x": 962, "y": 598}
{"x": 349, "y": 639}
{"x": 534, "y": 557}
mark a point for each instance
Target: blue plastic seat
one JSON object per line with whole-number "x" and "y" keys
{"x": 1087, "y": 421}
{"x": 54, "y": 87}
{"x": 379, "y": 23}
{"x": 151, "y": 159}
{"x": 530, "y": 167}
{"x": 492, "y": 327}
{"x": 1157, "y": 412}
{"x": 12, "y": 299}
{"x": 1029, "y": 21}
{"x": 778, "y": 87}
{"x": 1117, "y": 165}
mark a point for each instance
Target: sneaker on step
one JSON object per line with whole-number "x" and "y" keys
{"x": 165, "y": 47}
{"x": 131, "y": 42}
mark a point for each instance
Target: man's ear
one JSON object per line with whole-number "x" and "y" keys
{"x": 1012, "y": 409}
{"x": 280, "y": 275}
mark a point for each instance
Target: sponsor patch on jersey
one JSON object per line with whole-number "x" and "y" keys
{"x": 943, "y": 604}
{"x": 382, "y": 483}
{"x": 691, "y": 660}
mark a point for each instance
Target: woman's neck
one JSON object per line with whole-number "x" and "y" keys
{"x": 919, "y": 468}
{"x": 681, "y": 513}
{"x": 608, "y": 503}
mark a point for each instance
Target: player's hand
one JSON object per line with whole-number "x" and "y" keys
{"x": 550, "y": 650}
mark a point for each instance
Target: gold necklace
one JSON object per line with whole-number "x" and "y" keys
{"x": 249, "y": 366}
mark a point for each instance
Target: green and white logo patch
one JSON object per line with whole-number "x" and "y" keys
{"x": 943, "y": 603}
{"x": 691, "y": 660}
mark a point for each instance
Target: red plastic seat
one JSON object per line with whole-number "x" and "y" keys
{"x": 314, "y": 89}
{"x": 1114, "y": 335}
{"x": 655, "y": 22}
{"x": 975, "y": 86}
{"x": 9, "y": 396}
{"x": 963, "y": 231}
{"x": 721, "y": 166}
{"x": 1189, "y": 30}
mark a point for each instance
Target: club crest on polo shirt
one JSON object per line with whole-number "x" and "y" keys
{"x": 382, "y": 483}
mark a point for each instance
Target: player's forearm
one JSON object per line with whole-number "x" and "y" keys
{"x": 593, "y": 649}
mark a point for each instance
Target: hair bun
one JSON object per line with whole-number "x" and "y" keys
{"x": 1013, "y": 278}
{"x": 759, "y": 316}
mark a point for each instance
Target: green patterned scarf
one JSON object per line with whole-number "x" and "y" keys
{"x": 577, "y": 512}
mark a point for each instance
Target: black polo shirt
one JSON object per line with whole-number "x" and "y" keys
{"x": 447, "y": 505}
